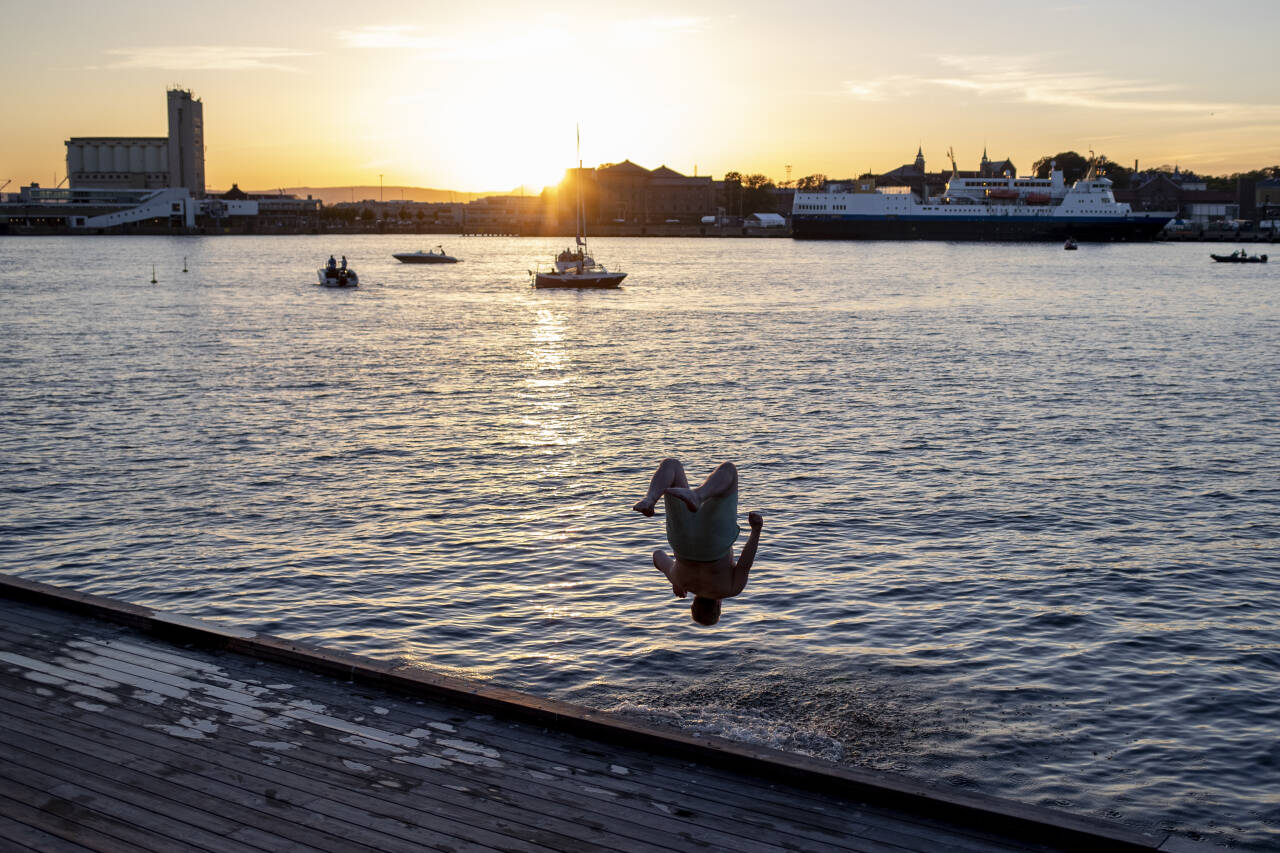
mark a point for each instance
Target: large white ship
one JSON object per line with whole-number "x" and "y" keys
{"x": 974, "y": 208}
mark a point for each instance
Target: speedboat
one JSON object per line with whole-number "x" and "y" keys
{"x": 421, "y": 257}
{"x": 1239, "y": 257}
{"x": 338, "y": 277}
{"x": 576, "y": 268}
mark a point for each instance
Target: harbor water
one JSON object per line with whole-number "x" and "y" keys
{"x": 1022, "y": 506}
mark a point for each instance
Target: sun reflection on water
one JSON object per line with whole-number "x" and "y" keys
{"x": 548, "y": 384}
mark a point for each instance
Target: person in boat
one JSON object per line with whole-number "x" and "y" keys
{"x": 333, "y": 264}
{"x": 344, "y": 263}
{"x": 701, "y": 529}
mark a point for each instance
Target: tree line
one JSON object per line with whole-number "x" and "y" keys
{"x": 747, "y": 194}
{"x": 1074, "y": 166}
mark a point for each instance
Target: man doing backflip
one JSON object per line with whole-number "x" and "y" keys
{"x": 702, "y": 526}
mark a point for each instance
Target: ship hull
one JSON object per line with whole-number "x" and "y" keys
{"x": 597, "y": 281}
{"x": 412, "y": 258}
{"x": 992, "y": 228}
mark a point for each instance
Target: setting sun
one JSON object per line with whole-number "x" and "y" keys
{"x": 488, "y": 100}
{"x": 492, "y": 118}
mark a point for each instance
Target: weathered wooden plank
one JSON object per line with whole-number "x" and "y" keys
{"x": 575, "y": 815}
{"x": 844, "y": 839}
{"x": 721, "y": 763}
{"x": 512, "y": 739}
{"x": 151, "y": 819}
{"x": 681, "y": 771}
{"x": 274, "y": 787}
{"x": 899, "y": 793}
{"x": 22, "y": 837}
{"x": 850, "y": 844}
{"x": 151, "y": 812}
{"x": 187, "y": 685}
{"x": 109, "y": 770}
{"x": 537, "y": 821}
{"x": 810, "y": 807}
{"x": 47, "y": 810}
{"x": 416, "y": 823}
{"x": 957, "y": 841}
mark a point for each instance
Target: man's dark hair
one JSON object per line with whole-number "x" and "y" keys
{"x": 705, "y": 611}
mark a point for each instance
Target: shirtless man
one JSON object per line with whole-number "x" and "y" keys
{"x": 701, "y": 528}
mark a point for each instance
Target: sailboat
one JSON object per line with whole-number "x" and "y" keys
{"x": 575, "y": 267}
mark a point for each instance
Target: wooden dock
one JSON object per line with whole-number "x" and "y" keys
{"x": 126, "y": 729}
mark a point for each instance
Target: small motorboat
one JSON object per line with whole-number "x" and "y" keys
{"x": 333, "y": 275}
{"x": 421, "y": 257}
{"x": 1070, "y": 245}
{"x": 1240, "y": 256}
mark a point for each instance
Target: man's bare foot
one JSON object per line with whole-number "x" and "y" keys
{"x": 689, "y": 496}
{"x": 644, "y": 506}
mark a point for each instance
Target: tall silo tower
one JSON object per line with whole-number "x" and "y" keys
{"x": 186, "y": 141}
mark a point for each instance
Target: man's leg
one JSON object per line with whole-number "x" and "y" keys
{"x": 723, "y": 481}
{"x": 670, "y": 474}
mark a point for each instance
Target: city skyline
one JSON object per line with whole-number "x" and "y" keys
{"x": 474, "y": 101}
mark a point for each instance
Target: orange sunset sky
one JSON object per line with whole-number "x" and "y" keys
{"x": 485, "y": 96}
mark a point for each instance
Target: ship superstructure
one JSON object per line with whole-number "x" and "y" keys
{"x": 1004, "y": 207}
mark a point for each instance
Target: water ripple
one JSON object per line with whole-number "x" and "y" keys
{"x": 1021, "y": 505}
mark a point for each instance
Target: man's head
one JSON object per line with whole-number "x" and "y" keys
{"x": 705, "y": 611}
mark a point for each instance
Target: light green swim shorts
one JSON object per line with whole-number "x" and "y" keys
{"x": 705, "y": 535}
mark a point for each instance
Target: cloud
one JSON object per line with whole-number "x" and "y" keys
{"x": 437, "y": 47}
{"x": 203, "y": 58}
{"x": 677, "y": 24}
{"x": 882, "y": 89}
{"x": 1016, "y": 79}
{"x": 559, "y": 32}
{"x": 392, "y": 38}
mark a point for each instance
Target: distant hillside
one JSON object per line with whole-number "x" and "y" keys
{"x": 333, "y": 195}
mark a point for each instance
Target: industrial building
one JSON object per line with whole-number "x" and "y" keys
{"x": 145, "y": 163}
{"x": 130, "y": 182}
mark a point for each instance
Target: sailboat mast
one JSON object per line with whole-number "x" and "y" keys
{"x": 580, "y": 218}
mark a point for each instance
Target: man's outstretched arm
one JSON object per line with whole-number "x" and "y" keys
{"x": 748, "y": 555}
{"x": 667, "y": 566}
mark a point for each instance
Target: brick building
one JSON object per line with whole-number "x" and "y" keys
{"x": 628, "y": 193}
